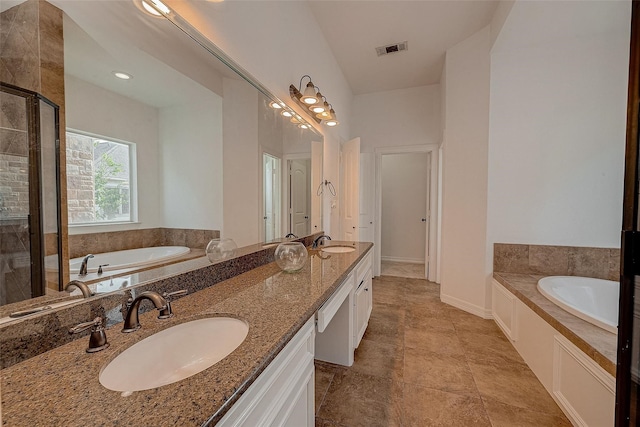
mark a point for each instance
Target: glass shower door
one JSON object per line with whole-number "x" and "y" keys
{"x": 29, "y": 195}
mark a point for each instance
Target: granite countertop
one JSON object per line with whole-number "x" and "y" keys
{"x": 61, "y": 387}
{"x": 595, "y": 342}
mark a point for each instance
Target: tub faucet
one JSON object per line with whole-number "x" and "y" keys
{"x": 86, "y": 292}
{"x": 291, "y": 235}
{"x": 131, "y": 322}
{"x": 83, "y": 266}
{"x": 318, "y": 241}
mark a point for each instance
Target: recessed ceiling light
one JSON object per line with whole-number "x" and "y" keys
{"x": 123, "y": 76}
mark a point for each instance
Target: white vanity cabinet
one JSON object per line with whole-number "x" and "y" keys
{"x": 283, "y": 395}
{"x": 343, "y": 319}
{"x": 363, "y": 299}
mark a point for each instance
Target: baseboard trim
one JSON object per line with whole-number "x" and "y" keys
{"x": 407, "y": 260}
{"x": 485, "y": 313}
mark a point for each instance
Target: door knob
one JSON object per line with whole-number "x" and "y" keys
{"x": 424, "y": 219}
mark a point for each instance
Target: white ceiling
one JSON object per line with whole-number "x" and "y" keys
{"x": 354, "y": 29}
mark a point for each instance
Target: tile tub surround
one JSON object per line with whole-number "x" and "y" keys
{"x": 275, "y": 305}
{"x": 600, "y": 263}
{"x": 598, "y": 344}
{"x": 96, "y": 243}
{"x": 29, "y": 337}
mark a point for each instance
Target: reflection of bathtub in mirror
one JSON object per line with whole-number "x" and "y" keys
{"x": 122, "y": 261}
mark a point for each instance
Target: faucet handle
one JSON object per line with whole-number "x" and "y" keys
{"x": 176, "y": 293}
{"x": 98, "y": 337}
{"x": 167, "y": 312}
{"x": 100, "y": 267}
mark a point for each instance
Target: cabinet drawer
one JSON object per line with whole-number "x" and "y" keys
{"x": 364, "y": 269}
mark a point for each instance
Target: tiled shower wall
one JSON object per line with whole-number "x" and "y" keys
{"x": 83, "y": 244}
{"x": 601, "y": 263}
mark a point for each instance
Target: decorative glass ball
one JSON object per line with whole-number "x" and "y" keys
{"x": 219, "y": 249}
{"x": 291, "y": 256}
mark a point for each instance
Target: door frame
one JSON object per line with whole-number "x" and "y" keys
{"x": 286, "y": 188}
{"x": 431, "y": 249}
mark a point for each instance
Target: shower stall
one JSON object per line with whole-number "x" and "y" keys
{"x": 29, "y": 195}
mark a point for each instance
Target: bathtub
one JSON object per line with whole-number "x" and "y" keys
{"x": 593, "y": 300}
{"x": 129, "y": 258}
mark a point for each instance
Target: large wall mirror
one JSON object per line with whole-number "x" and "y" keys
{"x": 185, "y": 142}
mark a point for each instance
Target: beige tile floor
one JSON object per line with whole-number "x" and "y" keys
{"x": 423, "y": 363}
{"x": 402, "y": 269}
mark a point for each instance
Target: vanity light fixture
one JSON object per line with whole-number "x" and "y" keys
{"x": 332, "y": 121}
{"x": 325, "y": 114}
{"x": 304, "y": 126}
{"x": 309, "y": 96}
{"x": 275, "y": 105}
{"x": 287, "y": 113}
{"x": 313, "y": 102}
{"x": 320, "y": 106}
{"x": 123, "y": 76}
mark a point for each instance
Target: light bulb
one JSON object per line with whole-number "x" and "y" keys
{"x": 309, "y": 95}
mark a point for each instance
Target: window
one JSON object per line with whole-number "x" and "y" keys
{"x": 99, "y": 179}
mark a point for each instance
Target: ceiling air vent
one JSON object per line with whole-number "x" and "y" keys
{"x": 392, "y": 48}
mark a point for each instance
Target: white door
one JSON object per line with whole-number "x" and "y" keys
{"x": 299, "y": 197}
{"x": 367, "y": 196}
{"x": 428, "y": 218}
{"x": 316, "y": 180}
{"x": 351, "y": 190}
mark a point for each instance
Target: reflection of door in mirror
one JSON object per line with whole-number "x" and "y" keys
{"x": 28, "y": 195}
{"x": 271, "y": 194}
{"x": 299, "y": 196}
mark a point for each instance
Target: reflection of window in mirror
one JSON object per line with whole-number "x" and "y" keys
{"x": 99, "y": 184}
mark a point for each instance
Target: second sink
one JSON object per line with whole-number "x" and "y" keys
{"x": 337, "y": 249}
{"x": 174, "y": 354}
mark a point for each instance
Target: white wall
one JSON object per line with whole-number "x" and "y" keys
{"x": 464, "y": 198}
{"x": 191, "y": 163}
{"x": 404, "y": 204}
{"x": 242, "y": 184}
{"x": 558, "y": 116}
{"x": 123, "y": 118}
{"x": 398, "y": 117}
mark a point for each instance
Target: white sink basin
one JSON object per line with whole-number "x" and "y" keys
{"x": 338, "y": 249}
{"x": 174, "y": 354}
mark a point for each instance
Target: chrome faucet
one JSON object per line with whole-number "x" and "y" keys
{"x": 291, "y": 235}
{"x": 83, "y": 266}
{"x": 318, "y": 240}
{"x": 86, "y": 292}
{"x": 161, "y": 303}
